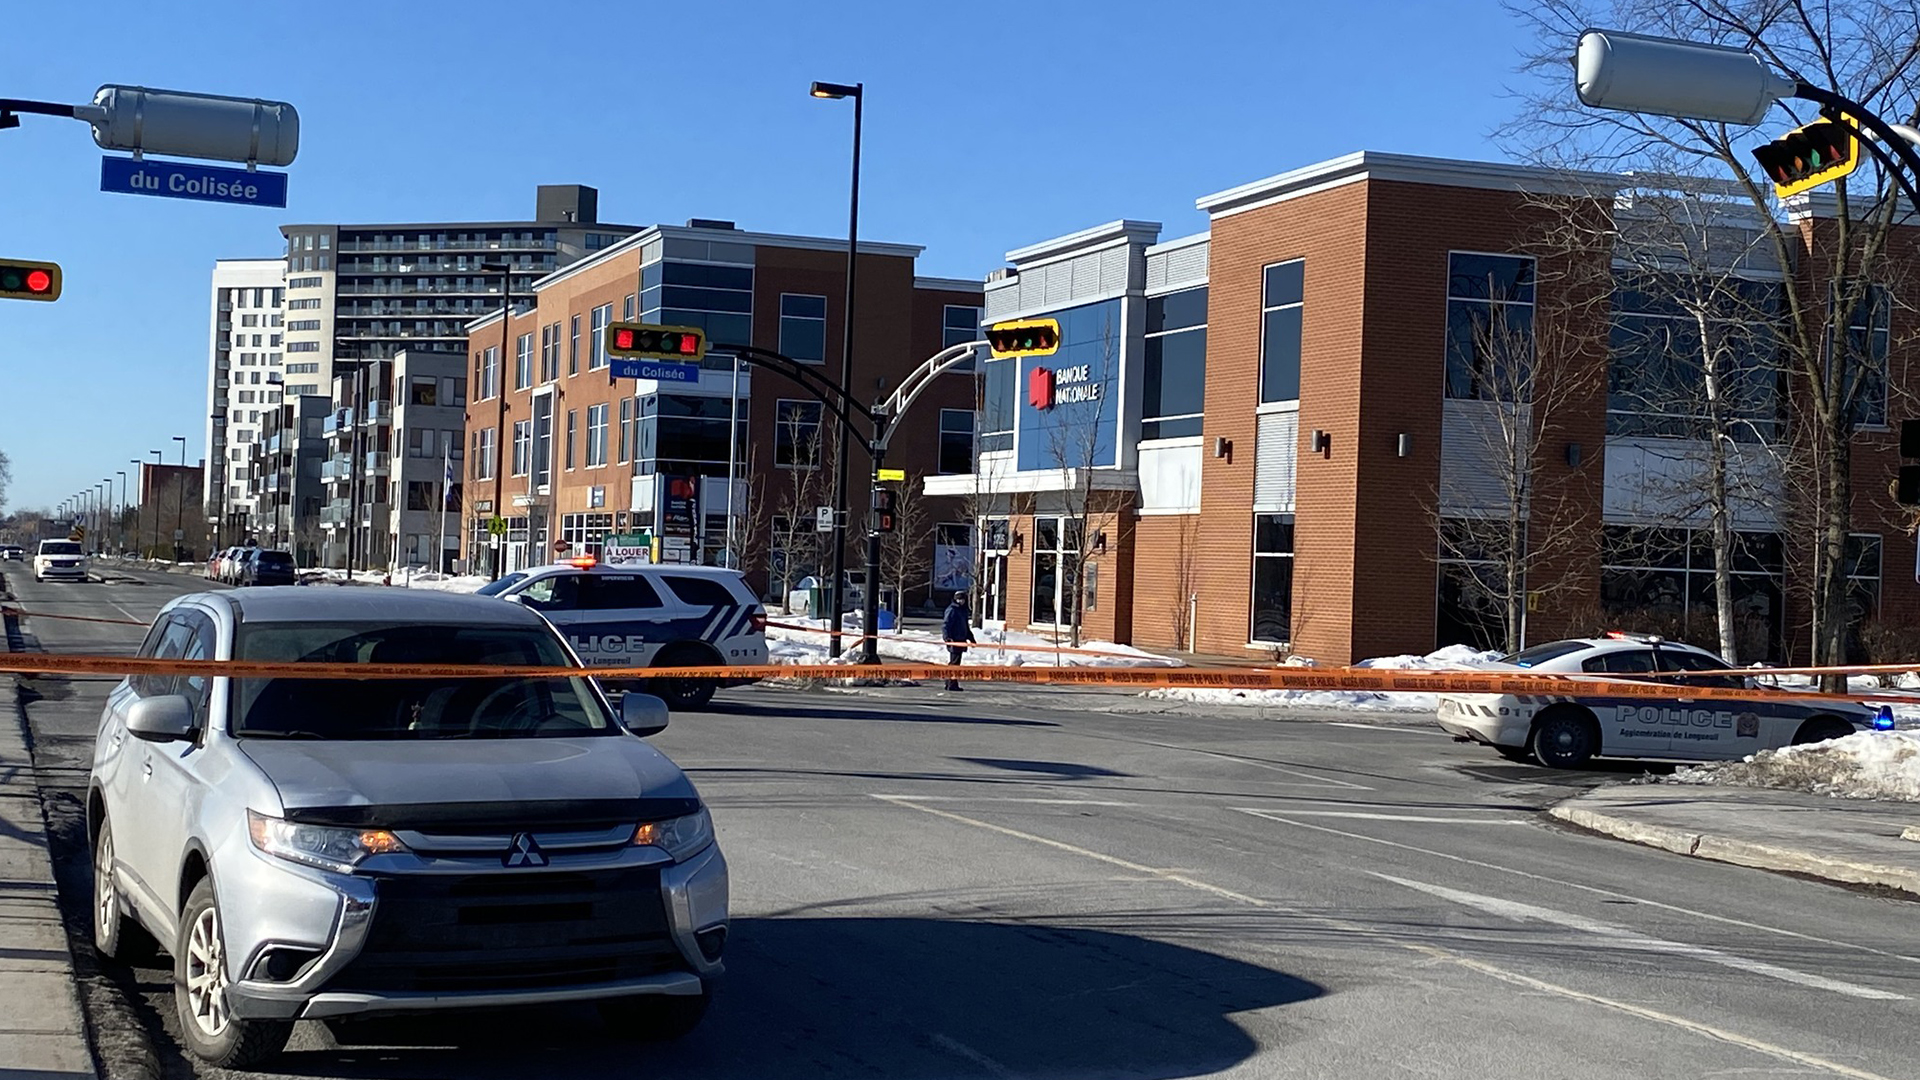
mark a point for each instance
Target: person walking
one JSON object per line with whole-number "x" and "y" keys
{"x": 957, "y": 631}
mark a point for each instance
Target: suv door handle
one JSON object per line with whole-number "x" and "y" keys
{"x": 146, "y": 768}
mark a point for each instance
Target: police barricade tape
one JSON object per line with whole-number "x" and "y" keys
{"x": 857, "y": 636}
{"x": 1353, "y": 679}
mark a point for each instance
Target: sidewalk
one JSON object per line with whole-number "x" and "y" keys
{"x": 43, "y": 1037}
{"x": 1857, "y": 841}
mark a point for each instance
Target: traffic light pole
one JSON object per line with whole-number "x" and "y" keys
{"x": 1897, "y": 146}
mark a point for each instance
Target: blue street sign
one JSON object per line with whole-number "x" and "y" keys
{"x": 184, "y": 180}
{"x": 658, "y": 370}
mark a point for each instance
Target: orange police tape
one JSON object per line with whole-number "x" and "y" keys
{"x": 1354, "y": 679}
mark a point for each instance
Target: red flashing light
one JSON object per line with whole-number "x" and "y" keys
{"x": 584, "y": 562}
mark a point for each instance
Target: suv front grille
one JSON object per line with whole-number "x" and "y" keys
{"x": 513, "y": 931}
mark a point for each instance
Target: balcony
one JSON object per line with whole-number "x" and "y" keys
{"x": 379, "y": 463}
{"x": 337, "y": 467}
{"x": 334, "y": 513}
{"x": 333, "y": 422}
{"x": 379, "y": 413}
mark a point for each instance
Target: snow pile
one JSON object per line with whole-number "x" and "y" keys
{"x": 1864, "y": 765}
{"x": 453, "y": 583}
{"x": 995, "y": 647}
{"x": 1451, "y": 657}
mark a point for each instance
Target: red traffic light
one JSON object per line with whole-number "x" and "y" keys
{"x": 623, "y": 339}
{"x": 39, "y": 281}
{"x": 656, "y": 342}
{"x": 1024, "y": 337}
{"x": 21, "y": 280}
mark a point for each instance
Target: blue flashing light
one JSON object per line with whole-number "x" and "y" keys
{"x": 1883, "y": 720}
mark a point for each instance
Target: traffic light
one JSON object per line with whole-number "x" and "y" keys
{"x": 656, "y": 342}
{"x": 885, "y": 509}
{"x": 1806, "y": 157}
{"x": 23, "y": 280}
{"x": 1024, "y": 337}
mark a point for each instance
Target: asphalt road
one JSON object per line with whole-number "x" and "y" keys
{"x": 997, "y": 885}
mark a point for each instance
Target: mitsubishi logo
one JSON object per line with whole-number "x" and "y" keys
{"x": 522, "y": 851}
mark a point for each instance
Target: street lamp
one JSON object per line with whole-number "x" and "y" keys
{"x": 120, "y": 519}
{"x": 136, "y": 463}
{"x": 836, "y": 91}
{"x": 106, "y": 518}
{"x": 153, "y": 492}
{"x": 180, "y": 506}
{"x": 1718, "y": 84}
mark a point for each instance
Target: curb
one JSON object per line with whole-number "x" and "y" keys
{"x": 1739, "y": 852}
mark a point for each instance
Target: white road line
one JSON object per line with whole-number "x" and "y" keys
{"x": 1772, "y": 1050}
{"x": 1399, "y": 817}
{"x": 1002, "y": 799}
{"x": 1385, "y": 727}
{"x": 1275, "y": 815}
{"x": 1319, "y": 781}
{"x": 1623, "y": 938}
{"x": 960, "y": 1049}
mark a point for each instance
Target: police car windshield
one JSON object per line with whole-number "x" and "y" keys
{"x": 425, "y": 708}
{"x": 495, "y": 588}
{"x": 1540, "y": 654}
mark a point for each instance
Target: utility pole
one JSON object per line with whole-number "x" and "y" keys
{"x": 180, "y": 506}
{"x": 857, "y": 92}
{"x": 153, "y": 492}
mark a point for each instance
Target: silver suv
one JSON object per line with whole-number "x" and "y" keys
{"x": 312, "y": 848}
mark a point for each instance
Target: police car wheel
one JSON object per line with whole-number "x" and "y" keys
{"x": 1820, "y": 729}
{"x": 1564, "y": 739}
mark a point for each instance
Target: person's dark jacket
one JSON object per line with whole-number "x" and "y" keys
{"x": 957, "y": 625}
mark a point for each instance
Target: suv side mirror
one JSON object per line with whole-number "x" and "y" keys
{"x": 642, "y": 714}
{"x": 162, "y": 718}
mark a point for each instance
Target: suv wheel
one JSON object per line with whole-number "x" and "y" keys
{"x": 116, "y": 935}
{"x": 656, "y": 1017}
{"x": 208, "y": 1027}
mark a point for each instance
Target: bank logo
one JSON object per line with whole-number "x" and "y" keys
{"x": 1040, "y": 387}
{"x": 1047, "y": 387}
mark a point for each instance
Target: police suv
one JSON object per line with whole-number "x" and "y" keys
{"x": 1564, "y": 732}
{"x": 643, "y": 616}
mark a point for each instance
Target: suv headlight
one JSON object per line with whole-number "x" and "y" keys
{"x": 324, "y": 846}
{"x": 679, "y": 837}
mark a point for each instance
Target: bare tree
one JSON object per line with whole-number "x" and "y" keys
{"x": 748, "y": 554}
{"x": 1867, "y": 50}
{"x": 6, "y": 477}
{"x": 906, "y": 553}
{"x": 1508, "y": 525}
{"x": 803, "y": 461}
{"x": 1074, "y": 447}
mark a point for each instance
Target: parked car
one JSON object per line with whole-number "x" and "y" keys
{"x": 214, "y": 560}
{"x": 13, "y": 552}
{"x": 230, "y": 565}
{"x": 265, "y": 566}
{"x": 320, "y": 848}
{"x": 645, "y": 615}
{"x": 1565, "y": 732}
{"x": 61, "y": 559}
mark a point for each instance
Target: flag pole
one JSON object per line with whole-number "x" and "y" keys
{"x": 446, "y": 492}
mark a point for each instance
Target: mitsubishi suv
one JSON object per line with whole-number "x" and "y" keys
{"x": 307, "y": 848}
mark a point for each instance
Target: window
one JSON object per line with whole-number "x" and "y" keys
{"x": 1660, "y": 581}
{"x": 250, "y": 320}
{"x": 626, "y": 429}
{"x": 1272, "y": 579}
{"x": 573, "y": 427}
{"x": 419, "y": 443}
{"x": 1656, "y": 378}
{"x": 303, "y": 346}
{"x": 523, "y": 361}
{"x": 627, "y": 308}
{"x": 959, "y": 324}
{"x": 1056, "y": 565}
{"x": 596, "y": 435}
{"x": 715, "y": 298}
{"x": 1174, "y": 383}
{"x": 573, "y": 346}
{"x": 487, "y": 373}
{"x": 420, "y": 495}
{"x": 326, "y": 241}
{"x": 1470, "y": 606}
{"x": 1489, "y": 327}
{"x": 543, "y": 440}
{"x": 1862, "y": 568}
{"x": 304, "y": 324}
{"x": 1864, "y": 385}
{"x": 796, "y": 436}
{"x": 956, "y": 441}
{"x": 1622, "y": 662}
{"x": 602, "y": 315}
{"x": 803, "y": 327}
{"x": 1282, "y": 297}
{"x": 616, "y": 592}
{"x": 997, "y": 411}
{"x": 423, "y": 390}
{"x": 484, "y": 445}
{"x": 549, "y": 352}
{"x": 304, "y": 305}
{"x": 522, "y": 446}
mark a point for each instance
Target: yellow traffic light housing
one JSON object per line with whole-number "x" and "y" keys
{"x": 1024, "y": 337}
{"x": 684, "y": 343}
{"x": 1807, "y": 157}
{"x": 21, "y": 279}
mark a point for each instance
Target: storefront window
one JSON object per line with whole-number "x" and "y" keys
{"x": 1272, "y": 579}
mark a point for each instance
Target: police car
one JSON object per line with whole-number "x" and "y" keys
{"x": 648, "y": 616}
{"x": 1564, "y": 732}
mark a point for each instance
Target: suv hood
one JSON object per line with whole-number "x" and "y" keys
{"x": 516, "y": 782}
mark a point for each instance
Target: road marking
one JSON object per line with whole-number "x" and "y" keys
{"x": 1323, "y": 781}
{"x": 1002, "y": 799}
{"x": 1395, "y": 817}
{"x": 1434, "y": 951}
{"x": 1384, "y": 727}
{"x": 1273, "y": 815}
{"x": 958, "y": 1048}
{"x": 1621, "y": 937}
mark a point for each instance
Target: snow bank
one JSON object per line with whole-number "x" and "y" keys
{"x": 1864, "y": 765}
{"x": 804, "y": 641}
{"x": 454, "y": 583}
{"x": 1453, "y": 656}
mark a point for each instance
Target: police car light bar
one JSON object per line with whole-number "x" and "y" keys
{"x": 1644, "y": 639}
{"x": 584, "y": 562}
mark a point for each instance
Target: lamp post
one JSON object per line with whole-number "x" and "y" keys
{"x": 153, "y": 492}
{"x": 179, "y": 507}
{"x": 106, "y": 519}
{"x": 836, "y": 91}
{"x": 135, "y": 462}
{"x": 119, "y": 519}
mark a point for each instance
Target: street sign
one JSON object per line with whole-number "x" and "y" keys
{"x": 185, "y": 180}
{"x": 823, "y": 519}
{"x": 890, "y": 474}
{"x": 657, "y": 370}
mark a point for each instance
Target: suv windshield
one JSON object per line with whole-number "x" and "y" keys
{"x": 353, "y": 709}
{"x": 59, "y": 547}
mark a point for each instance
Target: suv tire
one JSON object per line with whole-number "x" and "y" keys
{"x": 656, "y": 1017}
{"x": 116, "y": 936}
{"x": 211, "y": 1032}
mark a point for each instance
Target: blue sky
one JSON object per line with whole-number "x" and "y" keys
{"x": 979, "y": 139}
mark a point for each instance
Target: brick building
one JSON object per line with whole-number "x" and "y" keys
{"x": 1280, "y": 434}
{"x": 563, "y": 452}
